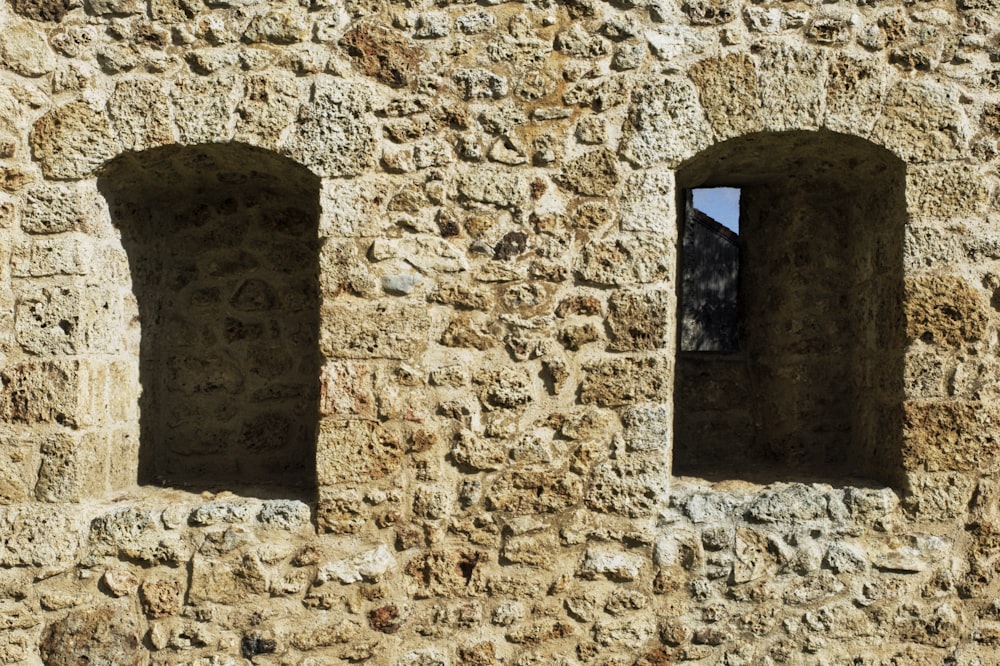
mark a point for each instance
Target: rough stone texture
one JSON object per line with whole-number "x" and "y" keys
{"x": 72, "y": 141}
{"x": 944, "y": 310}
{"x": 345, "y": 333}
{"x": 102, "y": 635}
{"x": 728, "y": 89}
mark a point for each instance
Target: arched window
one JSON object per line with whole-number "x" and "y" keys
{"x": 803, "y": 377}
{"x": 223, "y": 253}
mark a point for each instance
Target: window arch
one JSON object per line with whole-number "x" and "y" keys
{"x": 222, "y": 247}
{"x": 812, "y": 388}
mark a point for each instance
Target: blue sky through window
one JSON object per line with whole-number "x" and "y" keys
{"x": 720, "y": 203}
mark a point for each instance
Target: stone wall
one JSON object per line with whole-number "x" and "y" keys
{"x": 344, "y": 332}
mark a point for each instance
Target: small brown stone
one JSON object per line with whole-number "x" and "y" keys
{"x": 382, "y": 53}
{"x": 385, "y": 619}
{"x": 160, "y": 598}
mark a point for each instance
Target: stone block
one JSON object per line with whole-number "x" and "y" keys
{"x": 855, "y": 89}
{"x": 593, "y": 173}
{"x": 278, "y": 26}
{"x": 943, "y": 310}
{"x": 19, "y": 463}
{"x": 625, "y": 381}
{"x": 479, "y": 453}
{"x": 425, "y": 253}
{"x": 343, "y": 269}
{"x": 116, "y": 7}
{"x": 43, "y": 10}
{"x": 204, "y": 107}
{"x": 627, "y": 260}
{"x": 921, "y": 122}
{"x": 383, "y": 54}
{"x": 373, "y": 330}
{"x": 354, "y": 208}
{"x": 347, "y": 390}
{"x": 41, "y": 392}
{"x": 24, "y": 49}
{"x": 493, "y": 185}
{"x": 633, "y": 486}
{"x": 121, "y": 446}
{"x": 729, "y": 93}
{"x": 648, "y": 204}
{"x": 269, "y": 105}
{"x": 948, "y": 192}
{"x": 340, "y": 510}
{"x": 954, "y": 436}
{"x": 73, "y": 141}
{"x": 161, "y": 598}
{"x": 641, "y": 320}
{"x": 611, "y": 564}
{"x": 108, "y": 634}
{"x": 647, "y": 427}
{"x": 335, "y": 135}
{"x": 141, "y": 111}
{"x": 527, "y": 491}
{"x": 38, "y": 535}
{"x": 505, "y": 387}
{"x": 356, "y": 452}
{"x": 792, "y": 87}
{"x": 62, "y": 320}
{"x": 52, "y": 208}
{"x": 73, "y": 468}
{"x": 65, "y": 254}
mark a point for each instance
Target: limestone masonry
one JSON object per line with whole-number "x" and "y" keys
{"x": 346, "y": 331}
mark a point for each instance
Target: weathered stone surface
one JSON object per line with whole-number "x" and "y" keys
{"x": 728, "y": 89}
{"x": 335, "y": 135}
{"x": 356, "y": 452}
{"x": 622, "y": 381}
{"x": 24, "y": 50}
{"x": 42, "y": 10}
{"x": 73, "y": 141}
{"x": 495, "y": 186}
{"x": 141, "y": 112}
{"x": 591, "y": 174}
{"x": 626, "y": 260}
{"x": 204, "y": 107}
{"x": 648, "y": 203}
{"x": 40, "y": 392}
{"x": 369, "y": 565}
{"x": 269, "y": 105}
{"x": 634, "y": 488}
{"x": 854, "y": 94}
{"x": 945, "y": 192}
{"x": 610, "y": 564}
{"x": 414, "y": 269}
{"x": 949, "y": 436}
{"x": 72, "y": 469}
{"x": 640, "y": 320}
{"x": 922, "y": 122}
{"x": 382, "y": 53}
{"x": 101, "y": 636}
{"x": 792, "y": 87}
{"x": 788, "y": 504}
{"x": 943, "y": 310}
{"x": 38, "y": 536}
{"x": 51, "y": 208}
{"x": 374, "y": 330}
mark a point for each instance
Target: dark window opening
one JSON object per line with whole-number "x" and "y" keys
{"x": 710, "y": 266}
{"x": 790, "y": 336}
{"x": 222, "y": 245}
